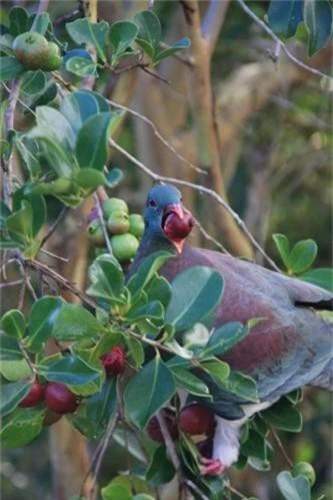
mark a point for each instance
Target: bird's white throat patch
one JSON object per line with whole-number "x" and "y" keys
{"x": 226, "y": 438}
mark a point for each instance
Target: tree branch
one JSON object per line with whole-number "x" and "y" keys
{"x": 213, "y": 21}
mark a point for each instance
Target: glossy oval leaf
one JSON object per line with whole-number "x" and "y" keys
{"x": 283, "y": 415}
{"x": 21, "y": 427}
{"x": 318, "y": 21}
{"x": 19, "y": 21}
{"x": 75, "y": 323}
{"x": 148, "y": 391}
{"x": 282, "y": 243}
{"x": 195, "y": 294}
{"x": 107, "y": 279}
{"x": 81, "y": 66}
{"x": 11, "y": 394}
{"x": 84, "y": 31}
{"x": 190, "y": 383}
{"x": 147, "y": 269}
{"x": 42, "y": 318}
{"x": 92, "y": 141}
{"x": 322, "y": 277}
{"x": 121, "y": 35}
{"x": 13, "y": 323}
{"x": 10, "y": 349}
{"x": 284, "y": 16}
{"x": 33, "y": 82}
{"x": 302, "y": 256}
{"x": 150, "y": 31}
{"x": 293, "y": 488}
{"x": 224, "y": 337}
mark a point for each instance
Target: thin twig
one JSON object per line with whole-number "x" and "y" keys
{"x": 236, "y": 492}
{"x": 10, "y": 283}
{"x": 157, "y": 134}
{"x": 187, "y": 60}
{"x": 192, "y": 486}
{"x": 282, "y": 45}
{"x": 55, "y": 256}
{"x": 210, "y": 238}
{"x": 106, "y": 440}
{"x": 21, "y": 295}
{"x": 54, "y": 226}
{"x": 102, "y": 222}
{"x": 202, "y": 189}
{"x": 281, "y": 447}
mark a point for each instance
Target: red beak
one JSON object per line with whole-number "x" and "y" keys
{"x": 177, "y": 223}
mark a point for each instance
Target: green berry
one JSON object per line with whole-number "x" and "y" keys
{"x": 95, "y": 232}
{"x": 136, "y": 225}
{"x": 118, "y": 222}
{"x": 304, "y": 469}
{"x": 124, "y": 246}
{"x": 54, "y": 60}
{"x": 31, "y": 49}
{"x": 114, "y": 205}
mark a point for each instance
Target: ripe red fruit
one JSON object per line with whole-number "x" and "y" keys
{"x": 60, "y": 399}
{"x": 177, "y": 228}
{"x": 197, "y": 419}
{"x": 154, "y": 430}
{"x": 34, "y": 396}
{"x": 114, "y": 361}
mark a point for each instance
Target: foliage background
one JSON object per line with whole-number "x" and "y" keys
{"x": 275, "y": 147}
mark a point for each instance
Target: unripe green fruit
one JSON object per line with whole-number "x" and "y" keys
{"x": 305, "y": 469}
{"x": 114, "y": 205}
{"x": 31, "y": 50}
{"x": 54, "y": 60}
{"x": 137, "y": 225}
{"x": 124, "y": 246}
{"x": 95, "y": 232}
{"x": 118, "y": 222}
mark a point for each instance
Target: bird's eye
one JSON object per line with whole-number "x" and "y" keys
{"x": 152, "y": 203}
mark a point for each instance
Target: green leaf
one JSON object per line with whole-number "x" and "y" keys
{"x": 195, "y": 294}
{"x": 255, "y": 446}
{"x": 107, "y": 279}
{"x": 11, "y": 394}
{"x": 77, "y": 107}
{"x": 242, "y": 385}
{"x": 150, "y": 33}
{"x": 42, "y": 22}
{"x": 19, "y": 21}
{"x": 53, "y": 125}
{"x": 284, "y": 16}
{"x": 158, "y": 288}
{"x": 318, "y": 21}
{"x": 284, "y": 416}
{"x": 116, "y": 492}
{"x": 218, "y": 370}
{"x": 190, "y": 383}
{"x": 322, "y": 277}
{"x": 136, "y": 351}
{"x": 293, "y": 488}
{"x": 37, "y": 205}
{"x": 43, "y": 316}
{"x": 84, "y": 31}
{"x": 10, "y": 349}
{"x": 282, "y": 244}
{"x": 224, "y": 338}
{"x": 121, "y": 35}
{"x": 160, "y": 469}
{"x": 19, "y": 224}
{"x": 22, "y": 427}
{"x": 89, "y": 179}
{"x": 93, "y": 415}
{"x": 15, "y": 370}
{"x": 92, "y": 140}
{"x": 75, "y": 323}
{"x": 81, "y": 377}
{"x": 148, "y": 391}
{"x": 13, "y": 323}
{"x": 81, "y": 66}
{"x": 56, "y": 157}
{"x": 114, "y": 177}
{"x": 153, "y": 311}
{"x": 33, "y": 82}
{"x": 302, "y": 256}
{"x": 182, "y": 44}
{"x": 147, "y": 270}
{"x": 28, "y": 149}
{"x": 10, "y": 68}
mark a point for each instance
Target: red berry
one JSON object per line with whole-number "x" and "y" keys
{"x": 197, "y": 419}
{"x": 114, "y": 361}
{"x": 154, "y": 430}
{"x": 60, "y": 399}
{"x": 177, "y": 228}
{"x": 34, "y": 396}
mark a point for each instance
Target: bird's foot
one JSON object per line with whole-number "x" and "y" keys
{"x": 212, "y": 467}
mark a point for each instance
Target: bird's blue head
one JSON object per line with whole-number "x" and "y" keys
{"x": 165, "y": 216}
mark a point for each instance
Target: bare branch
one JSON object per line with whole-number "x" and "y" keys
{"x": 281, "y": 44}
{"x": 102, "y": 222}
{"x": 213, "y": 21}
{"x": 202, "y": 189}
{"x": 10, "y": 283}
{"x": 9, "y": 125}
{"x": 281, "y": 447}
{"x": 54, "y": 226}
